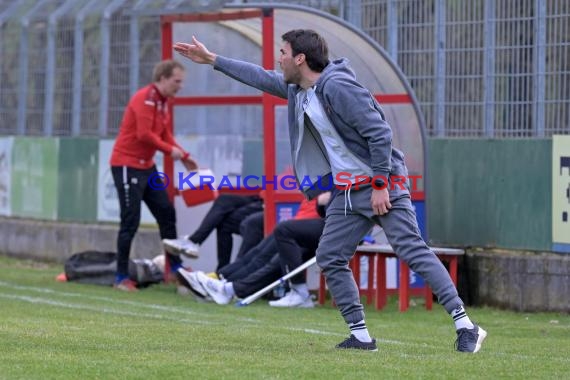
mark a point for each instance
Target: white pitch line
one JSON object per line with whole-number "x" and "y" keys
{"x": 96, "y": 298}
{"x": 317, "y": 332}
{"x": 379, "y": 340}
{"x": 50, "y": 302}
{"x": 169, "y": 309}
{"x": 36, "y": 300}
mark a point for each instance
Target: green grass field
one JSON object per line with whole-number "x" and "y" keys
{"x": 51, "y": 330}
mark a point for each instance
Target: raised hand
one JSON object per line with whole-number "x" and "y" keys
{"x": 196, "y": 51}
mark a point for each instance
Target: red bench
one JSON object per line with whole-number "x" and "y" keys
{"x": 377, "y": 255}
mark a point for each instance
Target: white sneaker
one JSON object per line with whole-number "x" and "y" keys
{"x": 293, "y": 299}
{"x": 190, "y": 281}
{"x": 181, "y": 246}
{"x": 214, "y": 288}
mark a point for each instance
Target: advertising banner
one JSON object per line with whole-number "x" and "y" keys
{"x": 5, "y": 174}
{"x": 107, "y": 201}
{"x": 561, "y": 193}
{"x": 34, "y": 177}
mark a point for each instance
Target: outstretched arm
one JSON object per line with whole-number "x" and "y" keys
{"x": 253, "y": 75}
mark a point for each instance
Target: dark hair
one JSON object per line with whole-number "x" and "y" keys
{"x": 165, "y": 69}
{"x": 311, "y": 44}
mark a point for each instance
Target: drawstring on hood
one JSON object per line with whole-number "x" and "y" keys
{"x": 347, "y": 197}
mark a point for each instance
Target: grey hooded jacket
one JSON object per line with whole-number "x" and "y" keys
{"x": 351, "y": 109}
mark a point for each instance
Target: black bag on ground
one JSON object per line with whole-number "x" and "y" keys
{"x": 96, "y": 267}
{"x": 92, "y": 267}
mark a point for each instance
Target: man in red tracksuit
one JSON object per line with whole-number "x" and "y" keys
{"x": 144, "y": 130}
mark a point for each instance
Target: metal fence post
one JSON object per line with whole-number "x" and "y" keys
{"x": 135, "y": 50}
{"x": 489, "y": 68}
{"x": 5, "y": 15}
{"x": 134, "y": 54}
{"x": 105, "y": 62}
{"x": 23, "y": 59}
{"x": 392, "y": 20}
{"x": 440, "y": 68}
{"x": 353, "y": 12}
{"x": 539, "y": 83}
{"x": 50, "y": 65}
{"x": 78, "y": 67}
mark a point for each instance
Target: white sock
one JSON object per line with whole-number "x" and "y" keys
{"x": 461, "y": 319}
{"x": 360, "y": 331}
{"x": 301, "y": 289}
{"x": 229, "y": 289}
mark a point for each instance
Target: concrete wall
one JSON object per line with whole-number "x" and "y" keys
{"x": 522, "y": 281}
{"x": 56, "y": 241}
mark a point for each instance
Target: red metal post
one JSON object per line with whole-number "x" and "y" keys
{"x": 166, "y": 36}
{"x": 404, "y": 286}
{"x": 381, "y": 295}
{"x": 268, "y": 121}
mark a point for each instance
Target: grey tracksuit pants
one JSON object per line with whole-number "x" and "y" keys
{"x": 348, "y": 220}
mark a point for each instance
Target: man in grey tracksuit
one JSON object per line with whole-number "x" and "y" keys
{"x": 338, "y": 134}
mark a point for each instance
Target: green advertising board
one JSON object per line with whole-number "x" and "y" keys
{"x": 77, "y": 176}
{"x": 490, "y": 193}
{"x": 34, "y": 177}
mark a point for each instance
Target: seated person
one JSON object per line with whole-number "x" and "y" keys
{"x": 260, "y": 266}
{"x": 225, "y": 216}
{"x": 251, "y": 230}
{"x": 296, "y": 246}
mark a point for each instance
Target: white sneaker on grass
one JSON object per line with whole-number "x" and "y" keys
{"x": 214, "y": 288}
{"x": 293, "y": 299}
{"x": 190, "y": 281}
{"x": 181, "y": 246}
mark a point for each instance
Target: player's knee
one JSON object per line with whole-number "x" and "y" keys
{"x": 281, "y": 231}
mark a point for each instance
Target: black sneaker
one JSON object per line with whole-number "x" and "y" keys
{"x": 353, "y": 343}
{"x": 470, "y": 340}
